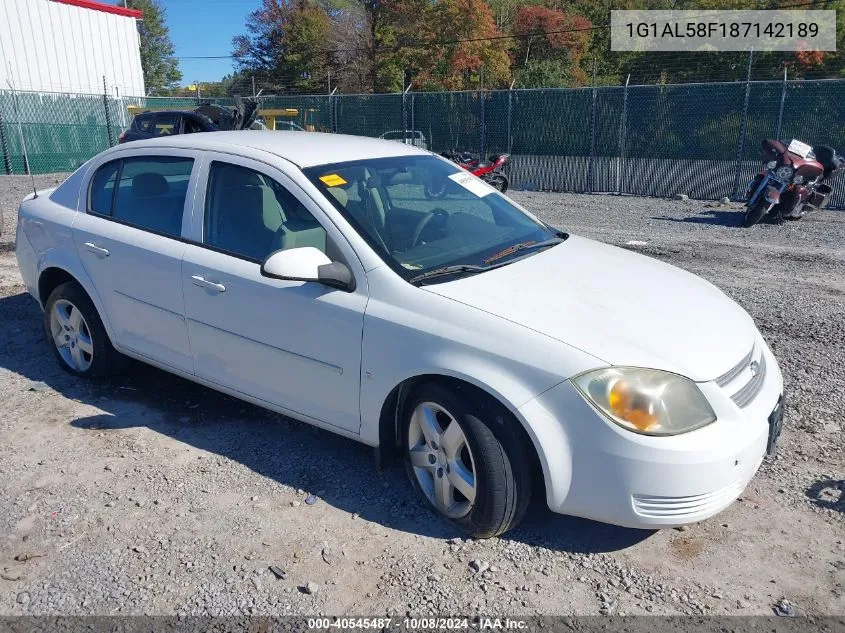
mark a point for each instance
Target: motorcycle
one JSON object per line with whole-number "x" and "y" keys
{"x": 791, "y": 181}
{"x": 490, "y": 171}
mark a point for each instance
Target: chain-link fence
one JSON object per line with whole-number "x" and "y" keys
{"x": 659, "y": 140}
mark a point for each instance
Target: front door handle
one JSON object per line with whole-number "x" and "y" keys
{"x": 97, "y": 250}
{"x": 202, "y": 282}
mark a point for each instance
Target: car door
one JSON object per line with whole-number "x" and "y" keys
{"x": 130, "y": 242}
{"x": 293, "y": 345}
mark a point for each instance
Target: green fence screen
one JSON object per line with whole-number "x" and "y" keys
{"x": 657, "y": 140}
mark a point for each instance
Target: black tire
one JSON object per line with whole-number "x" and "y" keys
{"x": 497, "y": 180}
{"x": 105, "y": 360}
{"x": 499, "y": 454}
{"x": 755, "y": 213}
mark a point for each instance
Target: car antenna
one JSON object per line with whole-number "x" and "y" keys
{"x": 20, "y": 132}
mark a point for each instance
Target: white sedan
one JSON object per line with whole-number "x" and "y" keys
{"x": 311, "y": 275}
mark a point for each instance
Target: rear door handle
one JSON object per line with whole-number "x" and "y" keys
{"x": 202, "y": 282}
{"x": 97, "y": 250}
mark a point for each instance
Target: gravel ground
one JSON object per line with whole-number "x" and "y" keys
{"x": 149, "y": 494}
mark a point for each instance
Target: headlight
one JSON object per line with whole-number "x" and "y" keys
{"x": 646, "y": 401}
{"x": 784, "y": 172}
{"x": 771, "y": 164}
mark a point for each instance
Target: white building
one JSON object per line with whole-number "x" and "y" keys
{"x": 69, "y": 46}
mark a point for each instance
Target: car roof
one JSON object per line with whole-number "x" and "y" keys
{"x": 313, "y": 148}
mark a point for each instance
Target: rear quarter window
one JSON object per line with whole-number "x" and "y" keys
{"x": 102, "y": 188}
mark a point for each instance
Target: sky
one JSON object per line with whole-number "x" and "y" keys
{"x": 205, "y": 27}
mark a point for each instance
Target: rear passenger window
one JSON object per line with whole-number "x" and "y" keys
{"x": 150, "y": 193}
{"x": 165, "y": 124}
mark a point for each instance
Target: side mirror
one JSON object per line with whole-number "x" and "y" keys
{"x": 308, "y": 264}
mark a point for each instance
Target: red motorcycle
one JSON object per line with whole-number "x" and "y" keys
{"x": 490, "y": 171}
{"x": 791, "y": 182}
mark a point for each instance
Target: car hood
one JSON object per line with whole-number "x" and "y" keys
{"x": 621, "y": 307}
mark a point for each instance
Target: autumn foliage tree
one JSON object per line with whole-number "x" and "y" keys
{"x": 285, "y": 45}
{"x": 471, "y": 53}
{"x": 551, "y": 46}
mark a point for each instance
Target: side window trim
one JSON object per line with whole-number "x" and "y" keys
{"x": 116, "y": 187}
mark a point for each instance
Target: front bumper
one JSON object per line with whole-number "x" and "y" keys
{"x": 595, "y": 469}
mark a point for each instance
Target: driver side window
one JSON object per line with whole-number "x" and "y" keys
{"x": 250, "y": 215}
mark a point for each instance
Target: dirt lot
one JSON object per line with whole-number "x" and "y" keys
{"x": 149, "y": 494}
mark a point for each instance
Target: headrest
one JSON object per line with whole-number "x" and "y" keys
{"x": 235, "y": 177}
{"x": 239, "y": 198}
{"x": 340, "y": 195}
{"x": 149, "y": 185}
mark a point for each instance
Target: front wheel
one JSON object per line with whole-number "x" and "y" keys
{"x": 464, "y": 455}
{"x": 755, "y": 213}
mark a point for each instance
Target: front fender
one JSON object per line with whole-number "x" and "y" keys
{"x": 419, "y": 333}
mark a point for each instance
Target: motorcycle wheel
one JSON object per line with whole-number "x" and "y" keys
{"x": 497, "y": 180}
{"x": 755, "y": 213}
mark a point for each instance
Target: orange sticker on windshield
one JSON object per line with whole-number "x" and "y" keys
{"x": 333, "y": 180}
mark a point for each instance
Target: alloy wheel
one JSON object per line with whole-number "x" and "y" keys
{"x": 71, "y": 335}
{"x": 442, "y": 460}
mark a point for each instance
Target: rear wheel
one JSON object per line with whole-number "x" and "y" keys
{"x": 755, "y": 213}
{"x": 77, "y": 335}
{"x": 464, "y": 455}
{"x": 497, "y": 180}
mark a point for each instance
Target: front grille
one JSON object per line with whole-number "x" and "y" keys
{"x": 684, "y": 507}
{"x": 732, "y": 373}
{"x": 741, "y": 382}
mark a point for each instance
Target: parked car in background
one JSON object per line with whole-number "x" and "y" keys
{"x": 409, "y": 137}
{"x": 166, "y": 123}
{"x": 208, "y": 117}
{"x": 500, "y": 356}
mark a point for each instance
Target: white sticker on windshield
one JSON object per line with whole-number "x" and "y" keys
{"x": 472, "y": 184}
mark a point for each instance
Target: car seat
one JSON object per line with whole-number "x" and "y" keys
{"x": 150, "y": 206}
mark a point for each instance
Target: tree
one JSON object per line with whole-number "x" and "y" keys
{"x": 286, "y": 46}
{"x": 470, "y": 53}
{"x": 551, "y": 45}
{"x": 158, "y": 62}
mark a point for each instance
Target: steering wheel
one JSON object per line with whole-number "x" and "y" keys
{"x": 425, "y": 221}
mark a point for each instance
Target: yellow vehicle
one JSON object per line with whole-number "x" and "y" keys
{"x": 283, "y": 119}
{"x": 288, "y": 119}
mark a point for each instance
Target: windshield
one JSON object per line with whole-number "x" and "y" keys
{"x": 421, "y": 213}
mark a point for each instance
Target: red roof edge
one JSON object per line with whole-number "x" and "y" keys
{"x": 102, "y": 6}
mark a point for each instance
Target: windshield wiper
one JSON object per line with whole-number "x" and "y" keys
{"x": 524, "y": 246}
{"x": 448, "y": 270}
